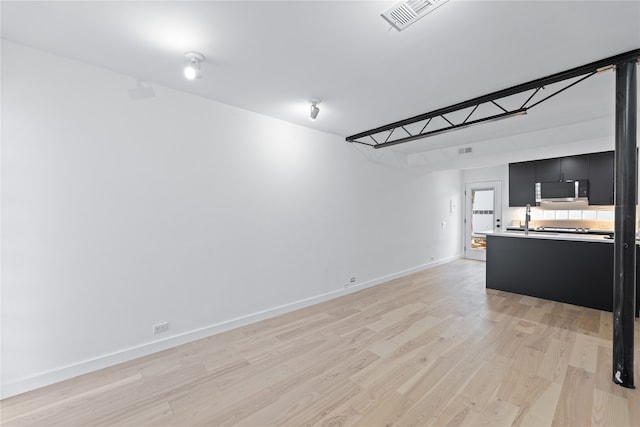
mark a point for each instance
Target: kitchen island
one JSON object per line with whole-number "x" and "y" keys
{"x": 570, "y": 268}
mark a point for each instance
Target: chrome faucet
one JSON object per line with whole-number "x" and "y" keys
{"x": 527, "y": 218}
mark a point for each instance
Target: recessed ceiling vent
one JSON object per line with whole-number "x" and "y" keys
{"x": 401, "y": 15}
{"x": 464, "y": 150}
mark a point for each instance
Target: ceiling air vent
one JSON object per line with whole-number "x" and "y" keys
{"x": 401, "y": 15}
{"x": 465, "y": 150}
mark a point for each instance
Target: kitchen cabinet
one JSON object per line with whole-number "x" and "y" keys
{"x": 522, "y": 183}
{"x": 547, "y": 170}
{"x": 540, "y": 267}
{"x": 601, "y": 178}
{"x": 596, "y": 167}
{"x": 569, "y": 168}
{"x": 574, "y": 168}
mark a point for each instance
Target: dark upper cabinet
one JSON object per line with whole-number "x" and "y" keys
{"x": 547, "y": 170}
{"x": 601, "y": 178}
{"x": 574, "y": 168}
{"x": 596, "y": 167}
{"x": 522, "y": 182}
{"x": 562, "y": 168}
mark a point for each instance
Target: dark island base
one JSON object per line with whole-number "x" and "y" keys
{"x": 573, "y": 272}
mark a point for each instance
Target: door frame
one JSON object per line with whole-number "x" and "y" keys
{"x": 496, "y": 186}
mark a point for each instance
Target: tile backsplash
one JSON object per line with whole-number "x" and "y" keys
{"x": 595, "y": 219}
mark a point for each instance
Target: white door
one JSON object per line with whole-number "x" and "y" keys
{"x": 483, "y": 214}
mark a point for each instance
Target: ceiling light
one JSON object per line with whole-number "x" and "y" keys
{"x": 313, "y": 114}
{"x": 192, "y": 70}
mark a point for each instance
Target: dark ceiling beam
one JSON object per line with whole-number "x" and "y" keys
{"x": 592, "y": 67}
{"x": 451, "y": 128}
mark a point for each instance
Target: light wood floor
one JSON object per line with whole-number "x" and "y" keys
{"x": 433, "y": 348}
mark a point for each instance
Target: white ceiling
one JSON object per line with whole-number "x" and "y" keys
{"x": 271, "y": 57}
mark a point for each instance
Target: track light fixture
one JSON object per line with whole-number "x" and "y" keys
{"x": 313, "y": 114}
{"x": 192, "y": 70}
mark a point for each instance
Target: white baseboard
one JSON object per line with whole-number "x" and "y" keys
{"x": 406, "y": 272}
{"x": 22, "y": 385}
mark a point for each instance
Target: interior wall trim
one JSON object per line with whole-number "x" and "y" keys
{"x": 25, "y": 384}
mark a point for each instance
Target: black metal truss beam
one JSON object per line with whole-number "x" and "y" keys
{"x": 584, "y": 71}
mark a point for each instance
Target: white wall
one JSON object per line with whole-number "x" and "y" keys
{"x": 398, "y": 215}
{"x": 120, "y": 214}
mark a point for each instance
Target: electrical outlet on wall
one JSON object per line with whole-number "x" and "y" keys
{"x": 160, "y": 328}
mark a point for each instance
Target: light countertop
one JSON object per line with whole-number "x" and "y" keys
{"x": 555, "y": 236}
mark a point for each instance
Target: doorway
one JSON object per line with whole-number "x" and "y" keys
{"x": 482, "y": 215}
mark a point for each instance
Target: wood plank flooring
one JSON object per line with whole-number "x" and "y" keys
{"x": 431, "y": 349}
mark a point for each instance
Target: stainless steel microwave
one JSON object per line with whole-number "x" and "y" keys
{"x": 562, "y": 191}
